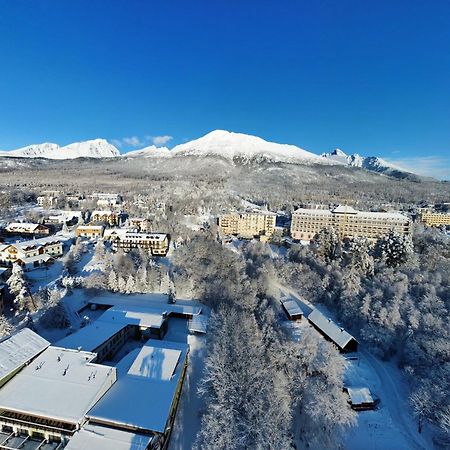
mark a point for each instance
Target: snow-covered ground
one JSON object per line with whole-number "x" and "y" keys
{"x": 391, "y": 426}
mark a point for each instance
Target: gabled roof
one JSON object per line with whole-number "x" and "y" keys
{"x": 337, "y": 334}
{"x": 292, "y": 307}
{"x": 359, "y": 396}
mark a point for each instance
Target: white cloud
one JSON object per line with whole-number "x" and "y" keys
{"x": 134, "y": 141}
{"x": 430, "y": 166}
{"x": 116, "y": 142}
{"x": 161, "y": 140}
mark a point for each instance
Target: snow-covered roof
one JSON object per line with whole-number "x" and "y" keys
{"x": 158, "y": 303}
{"x": 133, "y": 316}
{"x": 16, "y": 226}
{"x": 33, "y": 259}
{"x": 358, "y": 396}
{"x": 198, "y": 324}
{"x": 60, "y": 384}
{"x": 143, "y": 395}
{"x": 130, "y": 235}
{"x": 344, "y": 209}
{"x": 292, "y": 307}
{"x": 90, "y": 227}
{"x": 110, "y": 232}
{"x": 337, "y": 334}
{"x": 49, "y": 240}
{"x": 91, "y": 336}
{"x": 103, "y": 438}
{"x": 349, "y": 210}
{"x": 19, "y": 349}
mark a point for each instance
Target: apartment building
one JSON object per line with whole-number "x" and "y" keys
{"x": 156, "y": 243}
{"x": 110, "y": 217}
{"x": 90, "y": 231}
{"x": 143, "y": 225}
{"x": 435, "y": 219}
{"x": 347, "y": 222}
{"x": 248, "y": 224}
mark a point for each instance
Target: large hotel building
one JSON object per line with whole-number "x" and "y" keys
{"x": 347, "y": 222}
{"x": 434, "y": 219}
{"x": 248, "y": 224}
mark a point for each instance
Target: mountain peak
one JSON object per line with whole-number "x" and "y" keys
{"x": 245, "y": 148}
{"x": 94, "y": 148}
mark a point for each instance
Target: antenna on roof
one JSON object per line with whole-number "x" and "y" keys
{"x": 65, "y": 370}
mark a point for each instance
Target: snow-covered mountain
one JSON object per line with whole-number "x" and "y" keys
{"x": 96, "y": 148}
{"x": 245, "y": 148}
{"x": 149, "y": 152}
{"x": 237, "y": 148}
{"x": 372, "y": 163}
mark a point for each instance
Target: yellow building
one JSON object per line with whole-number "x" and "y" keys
{"x": 434, "y": 219}
{"x": 347, "y": 222}
{"x": 248, "y": 224}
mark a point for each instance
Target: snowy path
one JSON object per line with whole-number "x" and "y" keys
{"x": 396, "y": 404}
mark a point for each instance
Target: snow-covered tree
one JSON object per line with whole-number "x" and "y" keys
{"x": 395, "y": 248}
{"x": 328, "y": 244}
{"x": 19, "y": 288}
{"x": 5, "y": 326}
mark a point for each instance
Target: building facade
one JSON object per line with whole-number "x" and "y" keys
{"x": 90, "y": 231}
{"x": 156, "y": 243}
{"x": 248, "y": 224}
{"x": 110, "y": 217}
{"x": 435, "y": 219}
{"x": 347, "y": 222}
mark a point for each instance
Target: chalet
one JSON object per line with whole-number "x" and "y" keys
{"x": 27, "y": 229}
{"x": 32, "y": 254}
{"x": 90, "y": 231}
{"x": 156, "y": 243}
{"x": 333, "y": 332}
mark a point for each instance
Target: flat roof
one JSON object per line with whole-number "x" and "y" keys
{"x": 19, "y": 349}
{"x": 133, "y": 315}
{"x": 156, "y": 302}
{"x": 91, "y": 336}
{"x": 60, "y": 384}
{"x": 198, "y": 324}
{"x": 147, "y": 381}
{"x": 104, "y": 438}
{"x": 337, "y": 334}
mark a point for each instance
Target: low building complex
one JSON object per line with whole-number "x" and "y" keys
{"x": 347, "y": 222}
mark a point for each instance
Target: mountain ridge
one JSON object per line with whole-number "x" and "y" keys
{"x": 238, "y": 148}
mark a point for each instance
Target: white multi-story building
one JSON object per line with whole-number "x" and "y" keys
{"x": 156, "y": 243}
{"x": 347, "y": 222}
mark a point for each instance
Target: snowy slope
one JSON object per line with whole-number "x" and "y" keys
{"x": 372, "y": 163}
{"x": 245, "y": 148}
{"x": 149, "y": 152}
{"x": 96, "y": 148}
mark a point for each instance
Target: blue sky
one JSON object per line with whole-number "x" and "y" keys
{"x": 368, "y": 77}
